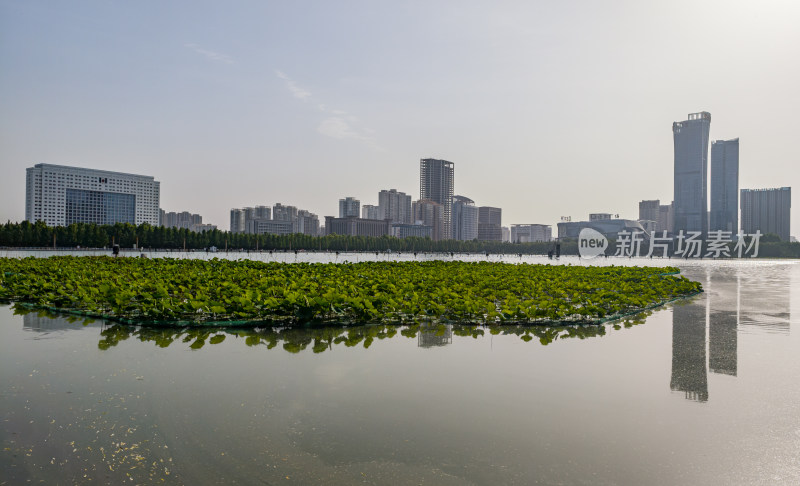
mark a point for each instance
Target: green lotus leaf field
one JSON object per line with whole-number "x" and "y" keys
{"x": 243, "y": 292}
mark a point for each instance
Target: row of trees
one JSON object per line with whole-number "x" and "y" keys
{"x": 35, "y": 235}
{"x": 31, "y": 235}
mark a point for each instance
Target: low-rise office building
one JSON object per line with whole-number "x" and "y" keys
{"x": 407, "y": 230}
{"x": 610, "y": 228}
{"x": 270, "y": 226}
{"x": 529, "y": 233}
{"x": 357, "y": 226}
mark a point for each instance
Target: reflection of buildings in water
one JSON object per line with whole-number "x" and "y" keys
{"x": 428, "y": 337}
{"x": 32, "y": 321}
{"x": 723, "y": 342}
{"x": 751, "y": 297}
{"x": 723, "y": 303}
{"x": 689, "y": 351}
{"x": 764, "y": 298}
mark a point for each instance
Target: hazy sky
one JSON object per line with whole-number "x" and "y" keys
{"x": 546, "y": 108}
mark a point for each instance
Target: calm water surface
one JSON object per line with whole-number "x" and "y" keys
{"x": 705, "y": 391}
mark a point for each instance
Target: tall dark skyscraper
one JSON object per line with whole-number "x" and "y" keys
{"x": 725, "y": 185}
{"x": 436, "y": 184}
{"x": 691, "y": 168}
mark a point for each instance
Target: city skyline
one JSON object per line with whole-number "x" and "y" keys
{"x": 227, "y": 120}
{"x": 62, "y": 195}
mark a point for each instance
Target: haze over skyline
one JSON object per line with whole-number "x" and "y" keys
{"x": 547, "y": 110}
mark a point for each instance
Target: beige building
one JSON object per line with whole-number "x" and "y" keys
{"x": 430, "y": 213}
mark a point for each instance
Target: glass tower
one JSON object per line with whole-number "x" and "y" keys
{"x": 690, "y": 138}
{"x": 725, "y": 185}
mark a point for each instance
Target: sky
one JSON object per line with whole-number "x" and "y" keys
{"x": 547, "y": 109}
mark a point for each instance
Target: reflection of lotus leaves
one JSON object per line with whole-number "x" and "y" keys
{"x": 295, "y": 340}
{"x": 320, "y": 346}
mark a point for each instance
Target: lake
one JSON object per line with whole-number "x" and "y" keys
{"x": 701, "y": 391}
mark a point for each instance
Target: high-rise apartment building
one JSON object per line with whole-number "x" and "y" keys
{"x": 665, "y": 221}
{"x": 60, "y": 195}
{"x": 725, "y": 185}
{"x": 690, "y": 138}
{"x": 436, "y": 184}
{"x": 767, "y": 210}
{"x": 648, "y": 215}
{"x": 238, "y": 221}
{"x": 465, "y": 219}
{"x": 244, "y": 220}
{"x": 288, "y": 220}
{"x": 648, "y": 210}
{"x": 262, "y": 212}
{"x": 349, "y": 206}
{"x": 284, "y": 213}
{"x": 430, "y": 213}
{"x": 184, "y": 219}
{"x": 489, "y": 224}
{"x": 395, "y": 206}
{"x": 200, "y": 227}
{"x": 368, "y": 211}
{"x": 307, "y": 223}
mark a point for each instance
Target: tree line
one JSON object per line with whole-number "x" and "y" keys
{"x": 84, "y": 235}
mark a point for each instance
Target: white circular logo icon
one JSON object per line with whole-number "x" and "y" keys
{"x": 591, "y": 243}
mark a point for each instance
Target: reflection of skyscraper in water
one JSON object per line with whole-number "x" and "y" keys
{"x": 747, "y": 298}
{"x": 440, "y": 335}
{"x": 764, "y": 298}
{"x": 723, "y": 342}
{"x": 721, "y": 295}
{"x": 689, "y": 351}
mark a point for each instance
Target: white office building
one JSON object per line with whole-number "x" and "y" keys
{"x": 61, "y": 195}
{"x": 529, "y": 233}
{"x": 368, "y": 211}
